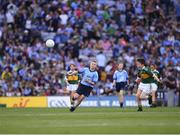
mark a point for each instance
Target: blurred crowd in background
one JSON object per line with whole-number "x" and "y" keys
{"x": 108, "y": 30}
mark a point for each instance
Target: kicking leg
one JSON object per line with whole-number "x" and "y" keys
{"x": 73, "y": 97}
{"x": 79, "y": 100}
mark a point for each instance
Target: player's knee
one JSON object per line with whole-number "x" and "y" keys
{"x": 137, "y": 95}
{"x": 75, "y": 95}
{"x": 82, "y": 97}
{"x": 141, "y": 97}
{"x": 153, "y": 92}
{"x": 121, "y": 93}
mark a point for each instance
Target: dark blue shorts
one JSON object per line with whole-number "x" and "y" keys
{"x": 84, "y": 90}
{"x": 120, "y": 86}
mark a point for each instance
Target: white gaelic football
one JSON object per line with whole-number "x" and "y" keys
{"x": 50, "y": 43}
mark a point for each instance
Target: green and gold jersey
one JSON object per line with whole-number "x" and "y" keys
{"x": 73, "y": 79}
{"x": 157, "y": 74}
{"x": 146, "y": 75}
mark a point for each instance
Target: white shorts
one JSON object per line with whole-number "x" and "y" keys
{"x": 146, "y": 88}
{"x": 154, "y": 87}
{"x": 72, "y": 87}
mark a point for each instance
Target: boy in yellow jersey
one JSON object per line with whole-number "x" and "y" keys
{"x": 146, "y": 77}
{"x": 72, "y": 80}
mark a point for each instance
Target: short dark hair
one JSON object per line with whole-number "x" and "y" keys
{"x": 72, "y": 64}
{"x": 153, "y": 64}
{"x": 121, "y": 62}
{"x": 141, "y": 60}
{"x": 95, "y": 61}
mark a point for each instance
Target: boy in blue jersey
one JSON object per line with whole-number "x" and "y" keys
{"x": 89, "y": 79}
{"x": 120, "y": 80}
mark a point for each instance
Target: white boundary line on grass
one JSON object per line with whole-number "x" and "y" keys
{"x": 79, "y": 113}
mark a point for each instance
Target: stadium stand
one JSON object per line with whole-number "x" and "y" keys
{"x": 108, "y": 30}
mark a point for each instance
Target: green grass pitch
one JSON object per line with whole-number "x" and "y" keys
{"x": 90, "y": 121}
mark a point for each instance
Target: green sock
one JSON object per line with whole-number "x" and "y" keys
{"x": 140, "y": 106}
{"x": 154, "y": 104}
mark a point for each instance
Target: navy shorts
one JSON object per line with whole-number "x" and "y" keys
{"x": 120, "y": 86}
{"x": 84, "y": 90}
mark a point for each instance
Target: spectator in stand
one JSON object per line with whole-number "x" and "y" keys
{"x": 170, "y": 82}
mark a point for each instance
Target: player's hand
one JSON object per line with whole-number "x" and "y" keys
{"x": 160, "y": 81}
{"x": 87, "y": 80}
{"x": 67, "y": 84}
{"x": 114, "y": 84}
{"x": 69, "y": 72}
{"x": 138, "y": 80}
{"x": 72, "y": 72}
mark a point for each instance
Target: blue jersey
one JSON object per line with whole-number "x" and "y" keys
{"x": 87, "y": 74}
{"x": 120, "y": 76}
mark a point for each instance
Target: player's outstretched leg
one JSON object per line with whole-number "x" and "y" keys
{"x": 79, "y": 100}
{"x": 72, "y": 98}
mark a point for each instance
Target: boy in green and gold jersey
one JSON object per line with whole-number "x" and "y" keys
{"x": 146, "y": 77}
{"x": 154, "y": 84}
{"x": 72, "y": 80}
